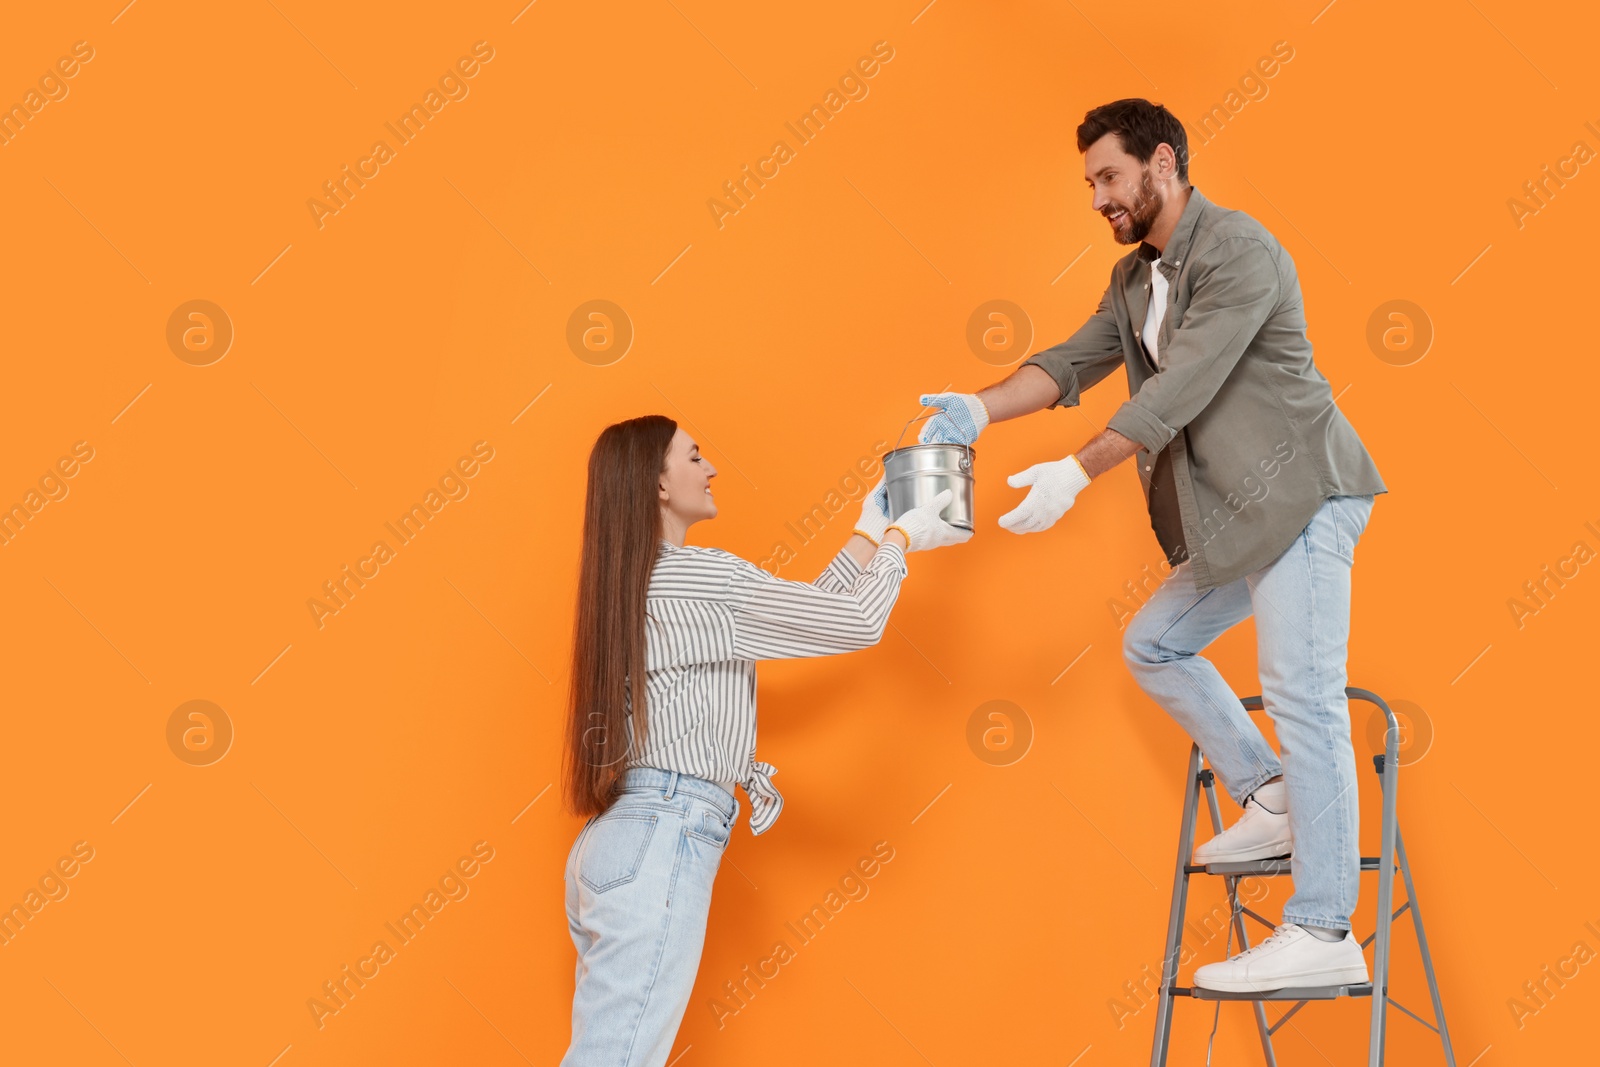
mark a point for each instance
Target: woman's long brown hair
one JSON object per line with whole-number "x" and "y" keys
{"x": 621, "y": 537}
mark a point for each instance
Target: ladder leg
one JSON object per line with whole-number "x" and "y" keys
{"x": 1427, "y": 957}
{"x": 1388, "y": 773}
{"x": 1232, "y": 883}
{"x": 1180, "y": 898}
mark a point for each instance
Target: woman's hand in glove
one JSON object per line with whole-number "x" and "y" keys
{"x": 924, "y": 529}
{"x": 874, "y": 519}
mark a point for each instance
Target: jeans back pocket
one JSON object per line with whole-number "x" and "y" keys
{"x": 709, "y": 825}
{"x": 615, "y": 849}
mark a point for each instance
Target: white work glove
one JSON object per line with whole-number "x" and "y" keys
{"x": 874, "y": 521}
{"x": 1055, "y": 486}
{"x": 924, "y": 528}
{"x": 960, "y": 420}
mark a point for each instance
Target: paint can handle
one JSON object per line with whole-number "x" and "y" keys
{"x": 966, "y": 459}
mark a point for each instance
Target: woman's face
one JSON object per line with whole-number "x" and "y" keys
{"x": 686, "y": 482}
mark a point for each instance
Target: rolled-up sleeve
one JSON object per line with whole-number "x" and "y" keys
{"x": 1086, "y": 357}
{"x": 1232, "y": 299}
{"x": 778, "y": 619}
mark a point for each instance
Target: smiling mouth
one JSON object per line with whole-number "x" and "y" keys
{"x": 1118, "y": 217}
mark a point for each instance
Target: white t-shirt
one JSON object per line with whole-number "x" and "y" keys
{"x": 1157, "y": 310}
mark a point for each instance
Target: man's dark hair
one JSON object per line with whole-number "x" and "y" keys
{"x": 1139, "y": 126}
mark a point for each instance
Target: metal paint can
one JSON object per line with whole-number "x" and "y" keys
{"x": 916, "y": 474}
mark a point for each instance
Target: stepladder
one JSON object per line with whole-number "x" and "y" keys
{"x": 1390, "y": 859}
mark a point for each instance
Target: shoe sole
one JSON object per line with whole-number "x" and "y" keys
{"x": 1311, "y": 979}
{"x": 1280, "y": 850}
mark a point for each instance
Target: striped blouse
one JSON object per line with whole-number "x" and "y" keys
{"x": 709, "y": 617}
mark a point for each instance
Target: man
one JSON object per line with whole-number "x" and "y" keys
{"x": 1258, "y": 489}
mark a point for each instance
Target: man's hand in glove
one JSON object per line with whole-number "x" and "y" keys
{"x": 960, "y": 420}
{"x": 1055, "y": 486}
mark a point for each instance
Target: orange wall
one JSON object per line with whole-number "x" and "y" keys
{"x": 375, "y": 346}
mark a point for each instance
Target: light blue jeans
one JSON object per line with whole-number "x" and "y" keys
{"x": 1301, "y": 602}
{"x": 638, "y": 892}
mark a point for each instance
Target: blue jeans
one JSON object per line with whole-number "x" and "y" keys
{"x": 638, "y": 892}
{"x": 1301, "y": 602}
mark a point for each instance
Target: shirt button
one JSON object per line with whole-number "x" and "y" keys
{"x": 1147, "y": 285}
{"x": 1147, "y": 466}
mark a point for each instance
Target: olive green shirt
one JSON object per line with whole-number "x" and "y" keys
{"x": 1236, "y": 411}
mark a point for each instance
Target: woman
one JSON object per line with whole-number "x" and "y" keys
{"x": 663, "y": 719}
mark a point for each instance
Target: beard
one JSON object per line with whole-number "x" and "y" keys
{"x": 1142, "y": 214}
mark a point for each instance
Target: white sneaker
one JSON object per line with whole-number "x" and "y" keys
{"x": 1261, "y": 832}
{"x": 1290, "y": 958}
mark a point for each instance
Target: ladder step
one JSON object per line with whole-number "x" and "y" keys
{"x": 1260, "y": 867}
{"x": 1331, "y": 992}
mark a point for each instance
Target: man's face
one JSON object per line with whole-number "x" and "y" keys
{"x": 1123, "y": 190}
